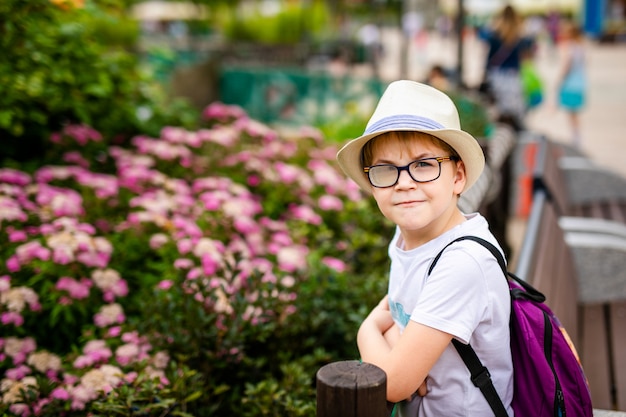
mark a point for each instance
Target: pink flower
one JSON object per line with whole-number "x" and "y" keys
{"x": 62, "y": 254}
{"x": 13, "y": 264}
{"x": 5, "y": 283}
{"x": 287, "y": 173}
{"x": 334, "y": 263}
{"x": 93, "y": 258}
{"x": 127, "y": 353}
{"x": 305, "y": 213}
{"x": 253, "y": 180}
{"x": 330, "y": 202}
{"x": 104, "y": 185}
{"x": 109, "y": 314}
{"x": 62, "y": 201}
{"x": 17, "y": 236}
{"x": 60, "y": 393}
{"x": 75, "y": 157}
{"x": 158, "y": 240}
{"x": 18, "y": 372}
{"x": 165, "y": 285}
{"x": 20, "y": 409}
{"x": 209, "y": 264}
{"x": 82, "y": 133}
{"x": 114, "y": 331}
{"x": 97, "y": 351}
{"x": 187, "y": 226}
{"x": 292, "y": 258}
{"x": 131, "y": 377}
{"x": 245, "y": 225}
{"x": 50, "y": 173}
{"x": 119, "y": 289}
{"x": 223, "y": 112}
{"x": 194, "y": 273}
{"x": 83, "y": 361}
{"x": 12, "y": 317}
{"x": 19, "y": 349}
{"x": 32, "y": 250}
{"x": 131, "y": 337}
{"x": 10, "y": 210}
{"x": 184, "y": 246}
{"x": 77, "y": 290}
{"x": 13, "y": 176}
{"x": 183, "y": 263}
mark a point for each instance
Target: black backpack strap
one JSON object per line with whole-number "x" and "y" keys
{"x": 529, "y": 292}
{"x": 481, "y": 378}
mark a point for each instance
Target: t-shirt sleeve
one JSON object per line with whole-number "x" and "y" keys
{"x": 455, "y": 297}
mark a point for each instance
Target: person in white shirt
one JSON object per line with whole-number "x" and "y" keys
{"x": 416, "y": 161}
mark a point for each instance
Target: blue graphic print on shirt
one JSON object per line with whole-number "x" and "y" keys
{"x": 398, "y": 314}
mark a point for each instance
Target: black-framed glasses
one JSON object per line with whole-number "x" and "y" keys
{"x": 422, "y": 170}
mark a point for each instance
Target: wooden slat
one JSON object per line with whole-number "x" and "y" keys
{"x": 616, "y": 210}
{"x": 567, "y": 290}
{"x": 594, "y": 355}
{"x": 618, "y": 339}
{"x": 554, "y": 179}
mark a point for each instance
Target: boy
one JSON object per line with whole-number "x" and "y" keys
{"x": 416, "y": 161}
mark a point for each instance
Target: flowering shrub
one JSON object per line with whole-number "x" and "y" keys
{"x": 197, "y": 273}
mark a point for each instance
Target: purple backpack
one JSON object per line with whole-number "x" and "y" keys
{"x": 548, "y": 378}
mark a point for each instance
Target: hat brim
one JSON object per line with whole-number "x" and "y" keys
{"x": 349, "y": 157}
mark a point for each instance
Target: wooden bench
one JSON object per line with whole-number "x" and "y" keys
{"x": 574, "y": 251}
{"x": 579, "y": 186}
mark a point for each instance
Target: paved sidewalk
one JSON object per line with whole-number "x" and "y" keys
{"x": 603, "y": 121}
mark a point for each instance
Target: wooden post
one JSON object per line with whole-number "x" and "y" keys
{"x": 351, "y": 389}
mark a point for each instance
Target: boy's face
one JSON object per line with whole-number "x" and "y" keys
{"x": 424, "y": 210}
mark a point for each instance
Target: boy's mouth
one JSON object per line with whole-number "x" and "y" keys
{"x": 408, "y": 202}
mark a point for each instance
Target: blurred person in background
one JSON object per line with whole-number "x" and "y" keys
{"x": 573, "y": 78}
{"x": 507, "y": 47}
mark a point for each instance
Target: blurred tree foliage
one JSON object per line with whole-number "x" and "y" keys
{"x": 70, "y": 61}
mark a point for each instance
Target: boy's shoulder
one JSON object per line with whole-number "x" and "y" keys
{"x": 475, "y": 225}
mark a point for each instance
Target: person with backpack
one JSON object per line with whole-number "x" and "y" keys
{"x": 507, "y": 50}
{"x": 456, "y": 334}
{"x": 416, "y": 161}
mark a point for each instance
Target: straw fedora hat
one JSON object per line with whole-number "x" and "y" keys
{"x": 415, "y": 107}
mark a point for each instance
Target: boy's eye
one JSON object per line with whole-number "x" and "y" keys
{"x": 424, "y": 163}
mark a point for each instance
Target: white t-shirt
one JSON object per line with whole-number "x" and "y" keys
{"x": 467, "y": 296}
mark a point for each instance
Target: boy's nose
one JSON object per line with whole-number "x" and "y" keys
{"x": 405, "y": 180}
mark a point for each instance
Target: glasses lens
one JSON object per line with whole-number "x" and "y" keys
{"x": 425, "y": 170}
{"x": 383, "y": 175}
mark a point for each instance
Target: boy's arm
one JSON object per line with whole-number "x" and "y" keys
{"x": 392, "y": 335}
{"x": 409, "y": 360}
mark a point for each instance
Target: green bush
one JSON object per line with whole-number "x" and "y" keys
{"x": 60, "y": 65}
{"x": 200, "y": 272}
{"x": 293, "y": 23}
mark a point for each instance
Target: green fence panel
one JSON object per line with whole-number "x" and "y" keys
{"x": 296, "y": 96}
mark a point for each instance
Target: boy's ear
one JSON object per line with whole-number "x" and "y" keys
{"x": 460, "y": 178}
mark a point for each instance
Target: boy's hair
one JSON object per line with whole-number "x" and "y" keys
{"x": 401, "y": 136}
